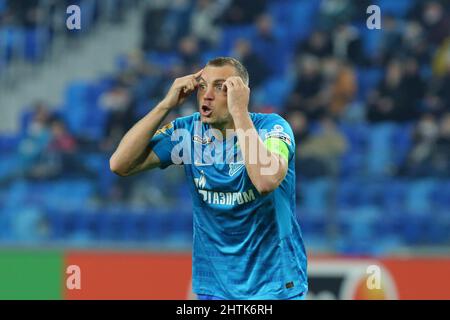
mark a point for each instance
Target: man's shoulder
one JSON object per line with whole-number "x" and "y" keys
{"x": 260, "y": 119}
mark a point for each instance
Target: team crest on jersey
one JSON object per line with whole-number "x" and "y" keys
{"x": 200, "y": 183}
{"x": 235, "y": 167}
{"x": 278, "y": 127}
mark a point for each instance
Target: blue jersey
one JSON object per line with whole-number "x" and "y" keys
{"x": 246, "y": 245}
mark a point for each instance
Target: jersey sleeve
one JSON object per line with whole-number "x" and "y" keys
{"x": 277, "y": 135}
{"x": 162, "y": 145}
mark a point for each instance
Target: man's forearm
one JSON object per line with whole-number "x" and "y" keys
{"x": 133, "y": 147}
{"x": 263, "y": 166}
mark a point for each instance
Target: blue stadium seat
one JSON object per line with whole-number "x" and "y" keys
{"x": 353, "y": 161}
{"x": 415, "y": 228}
{"x": 12, "y": 43}
{"x": 301, "y": 18}
{"x": 371, "y": 40}
{"x": 8, "y": 144}
{"x": 280, "y": 11}
{"x": 156, "y": 226}
{"x": 393, "y": 197}
{"x": 315, "y": 196}
{"x": 368, "y": 79}
{"x": 163, "y": 59}
{"x": 358, "y": 229}
{"x": 76, "y": 106}
{"x": 231, "y": 34}
{"x": 312, "y": 223}
{"x": 179, "y": 226}
{"x": 439, "y": 230}
{"x": 67, "y": 194}
{"x": 380, "y": 153}
{"x": 3, "y": 6}
{"x": 401, "y": 143}
{"x": 82, "y": 113}
{"x": 36, "y": 43}
{"x": 419, "y": 196}
{"x": 274, "y": 92}
{"x": 441, "y": 195}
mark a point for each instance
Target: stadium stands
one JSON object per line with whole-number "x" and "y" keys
{"x": 373, "y": 206}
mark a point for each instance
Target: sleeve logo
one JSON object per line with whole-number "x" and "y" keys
{"x": 164, "y": 128}
{"x": 279, "y": 135}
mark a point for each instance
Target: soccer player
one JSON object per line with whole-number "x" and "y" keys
{"x": 240, "y": 170}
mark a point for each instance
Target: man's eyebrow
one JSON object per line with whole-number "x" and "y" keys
{"x": 215, "y": 81}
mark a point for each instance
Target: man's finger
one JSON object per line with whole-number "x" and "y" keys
{"x": 229, "y": 84}
{"x": 238, "y": 81}
{"x": 198, "y": 74}
{"x": 234, "y": 81}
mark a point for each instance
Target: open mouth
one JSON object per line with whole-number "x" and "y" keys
{"x": 205, "y": 111}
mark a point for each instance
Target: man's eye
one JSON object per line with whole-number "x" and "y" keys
{"x": 202, "y": 86}
{"x": 219, "y": 86}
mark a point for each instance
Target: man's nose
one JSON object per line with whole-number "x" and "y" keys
{"x": 209, "y": 94}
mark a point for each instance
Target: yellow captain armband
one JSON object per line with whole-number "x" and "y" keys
{"x": 278, "y": 146}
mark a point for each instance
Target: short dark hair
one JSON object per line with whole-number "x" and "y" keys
{"x": 223, "y": 61}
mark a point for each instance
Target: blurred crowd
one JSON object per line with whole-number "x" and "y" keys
{"x": 331, "y": 72}
{"x": 410, "y": 60}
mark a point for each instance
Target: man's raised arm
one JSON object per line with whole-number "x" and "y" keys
{"x": 133, "y": 154}
{"x": 265, "y": 169}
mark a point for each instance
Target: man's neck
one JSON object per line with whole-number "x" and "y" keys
{"x": 224, "y": 128}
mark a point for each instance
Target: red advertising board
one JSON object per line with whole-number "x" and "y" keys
{"x": 130, "y": 275}
{"x": 168, "y": 276}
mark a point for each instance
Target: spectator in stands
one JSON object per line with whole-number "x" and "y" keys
{"x": 154, "y": 37}
{"x": 61, "y": 140}
{"x": 318, "y": 44}
{"x": 27, "y": 12}
{"x": 334, "y": 12}
{"x": 119, "y": 103}
{"x": 32, "y": 148}
{"x": 418, "y": 160}
{"x": 61, "y": 154}
{"x": 390, "y": 39}
{"x": 204, "y": 20}
{"x": 340, "y": 85}
{"x": 243, "y": 51}
{"x": 164, "y": 24}
{"x": 306, "y": 96}
{"x": 300, "y": 128}
{"x": 436, "y": 22}
{"x": 319, "y": 155}
{"x": 398, "y": 95}
{"x": 444, "y": 88}
{"x": 347, "y": 44}
{"x": 189, "y": 52}
{"x": 441, "y": 152}
{"x": 268, "y": 43}
{"x": 243, "y": 12}
{"x": 414, "y": 43}
{"x": 413, "y": 87}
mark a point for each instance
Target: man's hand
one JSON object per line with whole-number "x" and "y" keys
{"x": 238, "y": 95}
{"x": 181, "y": 88}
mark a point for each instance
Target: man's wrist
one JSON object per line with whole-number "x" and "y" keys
{"x": 240, "y": 112}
